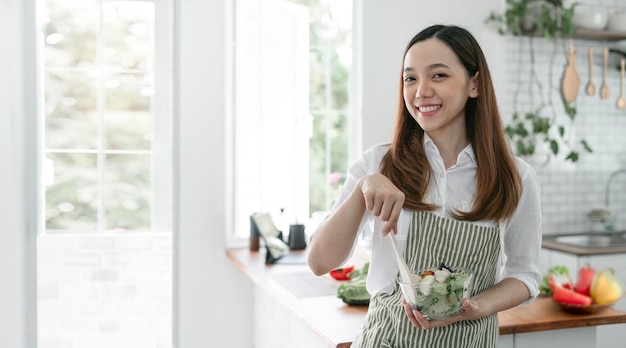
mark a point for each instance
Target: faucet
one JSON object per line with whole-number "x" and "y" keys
{"x": 610, "y": 223}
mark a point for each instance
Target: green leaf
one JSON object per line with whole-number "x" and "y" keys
{"x": 569, "y": 110}
{"x": 554, "y": 146}
{"x": 586, "y": 146}
{"x": 573, "y": 156}
{"x": 561, "y": 131}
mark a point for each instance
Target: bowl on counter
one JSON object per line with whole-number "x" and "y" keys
{"x": 438, "y": 295}
{"x": 617, "y": 22}
{"x": 581, "y": 309}
{"x": 588, "y": 18}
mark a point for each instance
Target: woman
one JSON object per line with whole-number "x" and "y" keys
{"x": 447, "y": 179}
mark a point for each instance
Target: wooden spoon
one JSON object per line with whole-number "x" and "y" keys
{"x": 591, "y": 88}
{"x": 604, "y": 89}
{"x": 621, "y": 102}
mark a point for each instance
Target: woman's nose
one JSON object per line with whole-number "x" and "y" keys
{"x": 423, "y": 90}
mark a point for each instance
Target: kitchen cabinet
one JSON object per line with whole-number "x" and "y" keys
{"x": 610, "y": 336}
{"x": 563, "y": 338}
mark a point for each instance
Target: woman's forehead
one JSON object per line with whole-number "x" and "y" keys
{"x": 430, "y": 53}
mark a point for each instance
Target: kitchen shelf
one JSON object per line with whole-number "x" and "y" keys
{"x": 589, "y": 34}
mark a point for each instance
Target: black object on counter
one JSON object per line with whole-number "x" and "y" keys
{"x": 254, "y": 235}
{"x": 297, "y": 237}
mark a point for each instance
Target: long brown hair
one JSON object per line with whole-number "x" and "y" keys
{"x": 498, "y": 183}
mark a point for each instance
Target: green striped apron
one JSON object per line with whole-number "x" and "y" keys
{"x": 430, "y": 241}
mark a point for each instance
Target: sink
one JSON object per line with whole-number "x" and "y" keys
{"x": 591, "y": 239}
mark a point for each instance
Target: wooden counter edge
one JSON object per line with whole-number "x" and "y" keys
{"x": 543, "y": 314}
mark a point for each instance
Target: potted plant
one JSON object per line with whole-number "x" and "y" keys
{"x": 537, "y": 128}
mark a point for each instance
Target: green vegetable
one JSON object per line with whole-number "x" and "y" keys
{"x": 559, "y": 270}
{"x": 445, "y": 298}
{"x": 354, "y": 291}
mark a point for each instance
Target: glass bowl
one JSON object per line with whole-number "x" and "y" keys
{"x": 435, "y": 297}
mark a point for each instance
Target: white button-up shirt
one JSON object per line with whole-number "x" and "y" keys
{"x": 454, "y": 189}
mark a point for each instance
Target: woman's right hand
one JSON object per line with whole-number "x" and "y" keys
{"x": 383, "y": 199}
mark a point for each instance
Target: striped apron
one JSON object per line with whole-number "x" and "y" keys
{"x": 431, "y": 241}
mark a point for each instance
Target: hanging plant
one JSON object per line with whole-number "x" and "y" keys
{"x": 538, "y": 128}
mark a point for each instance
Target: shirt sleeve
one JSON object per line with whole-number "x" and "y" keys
{"x": 367, "y": 163}
{"x": 523, "y": 234}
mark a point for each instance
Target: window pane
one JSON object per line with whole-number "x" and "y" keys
{"x": 329, "y": 159}
{"x": 128, "y": 116}
{"x": 128, "y": 30}
{"x": 339, "y": 84}
{"x": 70, "y": 32}
{"x": 70, "y": 107}
{"x": 71, "y": 197}
{"x": 127, "y": 192}
{"x": 318, "y": 75}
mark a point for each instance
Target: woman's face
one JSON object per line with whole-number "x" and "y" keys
{"x": 436, "y": 88}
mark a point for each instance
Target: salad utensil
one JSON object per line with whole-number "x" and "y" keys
{"x": 405, "y": 273}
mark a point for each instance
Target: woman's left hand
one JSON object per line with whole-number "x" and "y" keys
{"x": 470, "y": 309}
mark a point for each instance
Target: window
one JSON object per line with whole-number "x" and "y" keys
{"x": 104, "y": 259}
{"x": 107, "y": 116}
{"x": 292, "y": 62}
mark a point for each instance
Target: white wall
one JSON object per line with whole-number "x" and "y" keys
{"x": 13, "y": 326}
{"x": 213, "y": 298}
{"x": 387, "y": 28}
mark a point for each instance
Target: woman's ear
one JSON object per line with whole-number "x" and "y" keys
{"x": 473, "y": 93}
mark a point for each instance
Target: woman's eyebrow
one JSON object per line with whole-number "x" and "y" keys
{"x": 430, "y": 67}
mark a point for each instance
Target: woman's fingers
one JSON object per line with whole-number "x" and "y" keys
{"x": 409, "y": 313}
{"x": 383, "y": 199}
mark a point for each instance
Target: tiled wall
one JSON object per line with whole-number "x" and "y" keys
{"x": 105, "y": 291}
{"x": 569, "y": 190}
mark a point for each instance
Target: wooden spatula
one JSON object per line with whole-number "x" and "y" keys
{"x": 604, "y": 89}
{"x": 621, "y": 102}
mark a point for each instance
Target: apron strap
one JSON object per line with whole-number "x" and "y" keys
{"x": 502, "y": 257}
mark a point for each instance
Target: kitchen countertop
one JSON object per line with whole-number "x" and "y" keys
{"x": 581, "y": 250}
{"x": 314, "y": 299}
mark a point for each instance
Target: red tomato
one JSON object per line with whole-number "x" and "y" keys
{"x": 342, "y": 273}
{"x": 586, "y": 274}
{"x": 563, "y": 295}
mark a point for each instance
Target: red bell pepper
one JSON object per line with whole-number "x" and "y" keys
{"x": 586, "y": 274}
{"x": 342, "y": 273}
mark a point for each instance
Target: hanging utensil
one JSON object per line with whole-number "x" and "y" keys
{"x": 621, "y": 102}
{"x": 570, "y": 81}
{"x": 591, "y": 88}
{"x": 604, "y": 89}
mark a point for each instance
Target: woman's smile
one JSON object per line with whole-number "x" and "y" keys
{"x": 428, "y": 109}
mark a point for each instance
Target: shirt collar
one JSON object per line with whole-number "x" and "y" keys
{"x": 467, "y": 154}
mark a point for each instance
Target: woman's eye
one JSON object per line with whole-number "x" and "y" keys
{"x": 439, "y": 76}
{"x": 409, "y": 79}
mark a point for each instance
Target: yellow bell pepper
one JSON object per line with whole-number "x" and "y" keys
{"x": 605, "y": 289}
